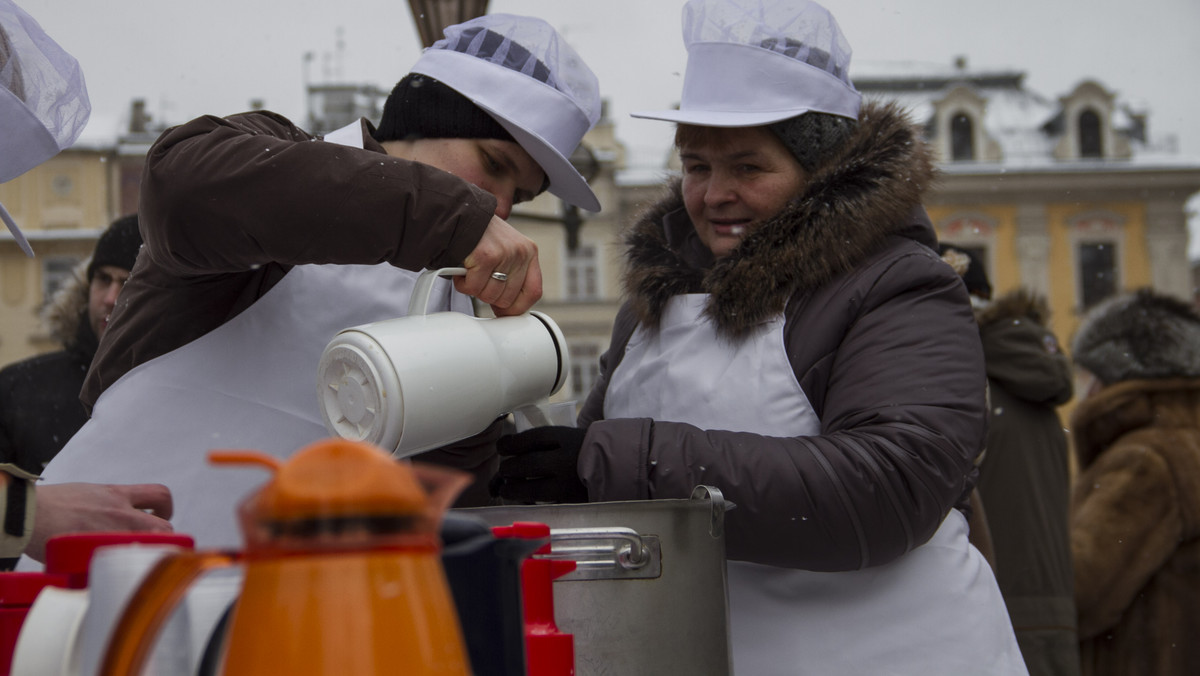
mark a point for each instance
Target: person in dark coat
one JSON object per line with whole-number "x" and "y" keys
{"x": 790, "y": 337}
{"x": 39, "y": 397}
{"x": 1024, "y": 480}
{"x": 1135, "y": 508}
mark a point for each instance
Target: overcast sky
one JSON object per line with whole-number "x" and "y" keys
{"x": 188, "y": 58}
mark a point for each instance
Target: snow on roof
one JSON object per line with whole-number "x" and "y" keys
{"x": 1014, "y": 116}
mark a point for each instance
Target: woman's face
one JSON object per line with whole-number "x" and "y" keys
{"x": 733, "y": 180}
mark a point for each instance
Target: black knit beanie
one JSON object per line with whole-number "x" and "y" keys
{"x": 118, "y": 245}
{"x": 422, "y": 107}
{"x": 814, "y": 137}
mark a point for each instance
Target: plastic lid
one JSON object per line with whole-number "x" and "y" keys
{"x": 329, "y": 479}
{"x": 20, "y": 589}
{"x": 71, "y": 555}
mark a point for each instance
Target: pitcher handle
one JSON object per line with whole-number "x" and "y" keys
{"x": 418, "y": 304}
{"x": 151, "y": 606}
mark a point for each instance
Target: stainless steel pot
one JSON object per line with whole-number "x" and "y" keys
{"x": 648, "y": 595}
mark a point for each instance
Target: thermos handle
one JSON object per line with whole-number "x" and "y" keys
{"x": 418, "y": 304}
{"x": 151, "y": 606}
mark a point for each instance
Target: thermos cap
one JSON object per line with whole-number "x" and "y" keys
{"x": 339, "y": 478}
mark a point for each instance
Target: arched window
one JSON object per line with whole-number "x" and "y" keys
{"x": 1090, "y": 143}
{"x": 962, "y": 137}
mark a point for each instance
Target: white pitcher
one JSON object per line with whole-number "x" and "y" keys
{"x": 422, "y": 381}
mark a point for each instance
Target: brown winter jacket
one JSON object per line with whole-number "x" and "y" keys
{"x": 1135, "y": 528}
{"x": 230, "y": 205}
{"x": 880, "y": 336}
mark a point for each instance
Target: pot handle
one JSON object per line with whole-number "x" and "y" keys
{"x": 633, "y": 555}
{"x": 612, "y": 553}
{"x": 719, "y": 504}
{"x": 418, "y": 303}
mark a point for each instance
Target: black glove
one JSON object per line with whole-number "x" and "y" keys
{"x": 538, "y": 465}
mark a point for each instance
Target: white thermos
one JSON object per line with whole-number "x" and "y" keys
{"x": 422, "y": 381}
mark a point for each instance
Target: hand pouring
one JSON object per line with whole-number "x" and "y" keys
{"x": 342, "y": 571}
{"x": 426, "y": 380}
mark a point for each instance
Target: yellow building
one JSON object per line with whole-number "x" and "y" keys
{"x": 1070, "y": 197}
{"x": 62, "y": 206}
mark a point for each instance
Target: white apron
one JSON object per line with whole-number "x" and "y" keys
{"x": 936, "y": 610}
{"x": 249, "y": 384}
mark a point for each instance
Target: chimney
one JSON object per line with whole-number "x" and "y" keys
{"x": 138, "y": 117}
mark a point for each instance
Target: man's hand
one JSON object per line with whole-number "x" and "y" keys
{"x": 503, "y": 250}
{"x": 77, "y": 507}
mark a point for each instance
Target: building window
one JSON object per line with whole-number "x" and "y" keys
{"x": 56, "y": 273}
{"x": 583, "y": 274}
{"x": 1097, "y": 272}
{"x": 585, "y": 368}
{"x": 1090, "y": 143}
{"x": 62, "y": 185}
{"x": 962, "y": 137}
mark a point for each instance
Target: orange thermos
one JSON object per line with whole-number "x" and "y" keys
{"x": 342, "y": 572}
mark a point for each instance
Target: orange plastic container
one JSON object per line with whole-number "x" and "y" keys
{"x": 343, "y": 574}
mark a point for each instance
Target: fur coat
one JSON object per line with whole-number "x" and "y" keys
{"x": 1135, "y": 522}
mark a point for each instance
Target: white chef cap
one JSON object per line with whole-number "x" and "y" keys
{"x": 43, "y": 100}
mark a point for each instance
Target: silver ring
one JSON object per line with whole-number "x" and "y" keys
{"x": 499, "y": 276}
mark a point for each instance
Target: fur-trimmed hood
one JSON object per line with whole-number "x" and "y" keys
{"x": 66, "y": 318}
{"x": 864, "y": 194}
{"x": 1018, "y": 304}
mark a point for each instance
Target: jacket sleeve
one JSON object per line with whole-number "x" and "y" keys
{"x": 1125, "y": 523}
{"x": 19, "y": 505}
{"x": 902, "y": 416}
{"x": 227, "y": 195}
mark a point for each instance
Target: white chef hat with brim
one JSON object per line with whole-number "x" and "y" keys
{"x": 43, "y": 100}
{"x": 521, "y": 72}
{"x": 755, "y": 62}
